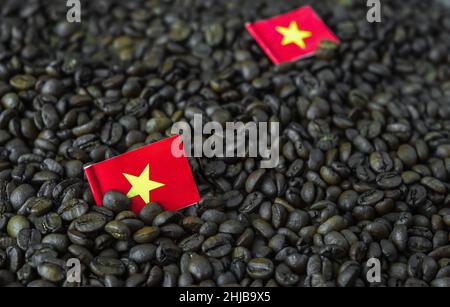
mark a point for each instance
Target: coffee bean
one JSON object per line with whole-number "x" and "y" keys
{"x": 264, "y": 228}
{"x": 72, "y": 209}
{"x": 23, "y": 82}
{"x": 285, "y": 277}
{"x": 37, "y": 206}
{"x": 378, "y": 230}
{"x": 381, "y": 162}
{"x": 107, "y": 266}
{"x": 166, "y": 217}
{"x": 149, "y": 212}
{"x": 260, "y": 268}
{"x": 27, "y": 237}
{"x": 334, "y": 223}
{"x": 407, "y": 154}
{"x": 53, "y": 87}
{"x": 217, "y": 246}
{"x": 251, "y": 202}
{"x": 146, "y": 234}
{"x": 192, "y": 243}
{"x": 167, "y": 253}
{"x": 20, "y": 194}
{"x": 118, "y": 230}
{"x": 434, "y": 184}
{"x": 200, "y": 268}
{"x": 370, "y": 197}
{"x": 115, "y": 201}
{"x": 142, "y": 253}
{"x": 90, "y": 222}
{"x": 16, "y": 224}
{"x": 347, "y": 276}
{"x": 51, "y": 272}
{"x": 441, "y": 282}
{"x": 388, "y": 180}
{"x": 58, "y": 241}
{"x": 416, "y": 196}
{"x": 232, "y": 227}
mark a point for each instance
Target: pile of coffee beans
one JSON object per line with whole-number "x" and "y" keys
{"x": 364, "y": 168}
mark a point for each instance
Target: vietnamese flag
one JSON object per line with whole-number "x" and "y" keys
{"x": 294, "y": 35}
{"x": 151, "y": 173}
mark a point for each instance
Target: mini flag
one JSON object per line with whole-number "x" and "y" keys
{"x": 294, "y": 35}
{"x": 151, "y": 173}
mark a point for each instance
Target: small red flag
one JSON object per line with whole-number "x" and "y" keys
{"x": 150, "y": 173}
{"x": 291, "y": 36}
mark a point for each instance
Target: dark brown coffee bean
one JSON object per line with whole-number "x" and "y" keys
{"x": 90, "y": 222}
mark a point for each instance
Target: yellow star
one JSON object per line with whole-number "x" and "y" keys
{"x": 293, "y": 34}
{"x": 142, "y": 185}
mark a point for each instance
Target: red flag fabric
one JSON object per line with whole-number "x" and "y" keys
{"x": 149, "y": 173}
{"x": 291, "y": 36}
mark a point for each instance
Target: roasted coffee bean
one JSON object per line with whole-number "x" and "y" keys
{"x": 72, "y": 209}
{"x": 399, "y": 236}
{"x": 115, "y": 201}
{"x": 297, "y": 219}
{"x": 285, "y": 277}
{"x": 28, "y": 237}
{"x": 103, "y": 266}
{"x": 381, "y": 162}
{"x": 149, "y": 212}
{"x": 370, "y": 197}
{"x": 192, "y": 243}
{"x": 36, "y": 206}
{"x": 20, "y": 194}
{"x": 251, "y": 202}
{"x": 217, "y": 246}
{"x": 378, "y": 230}
{"x": 167, "y": 253}
{"x": 329, "y": 175}
{"x": 200, "y": 268}
{"x": 146, "y": 234}
{"x": 81, "y": 253}
{"x": 407, "y": 154}
{"x": 334, "y": 223}
{"x": 416, "y": 196}
{"x": 49, "y": 223}
{"x": 16, "y": 224}
{"x": 142, "y": 253}
{"x": 419, "y": 244}
{"x": 58, "y": 241}
{"x": 348, "y": 275}
{"x": 441, "y": 282}
{"x": 263, "y": 228}
{"x": 118, "y": 230}
{"x": 233, "y": 227}
{"x": 388, "y": 180}
{"x": 434, "y": 184}
{"x": 90, "y": 222}
{"x": 51, "y": 272}
{"x": 166, "y": 217}
{"x": 15, "y": 258}
{"x": 260, "y": 268}
{"x": 23, "y": 82}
